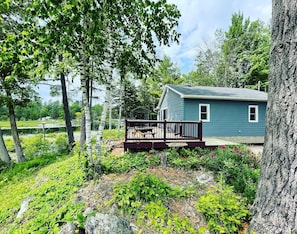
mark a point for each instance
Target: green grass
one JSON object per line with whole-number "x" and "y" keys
{"x": 30, "y": 123}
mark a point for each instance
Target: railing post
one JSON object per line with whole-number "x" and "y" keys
{"x": 165, "y": 129}
{"x": 200, "y": 130}
{"x": 126, "y": 129}
{"x": 180, "y": 129}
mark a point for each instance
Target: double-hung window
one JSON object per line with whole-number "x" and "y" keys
{"x": 253, "y": 113}
{"x": 204, "y": 112}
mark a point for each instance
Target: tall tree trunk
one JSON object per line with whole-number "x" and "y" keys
{"x": 110, "y": 116}
{"x": 69, "y": 129}
{"x": 15, "y": 135}
{"x": 4, "y": 156}
{"x": 86, "y": 106}
{"x": 82, "y": 140}
{"x": 102, "y": 122}
{"x": 275, "y": 206}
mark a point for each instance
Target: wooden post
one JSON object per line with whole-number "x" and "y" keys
{"x": 126, "y": 129}
{"x": 165, "y": 129}
{"x": 200, "y": 130}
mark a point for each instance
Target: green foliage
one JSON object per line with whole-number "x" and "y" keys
{"x": 246, "y": 51}
{"x": 156, "y": 215}
{"x": 237, "y": 167}
{"x": 36, "y": 145}
{"x": 120, "y": 164}
{"x": 14, "y": 172}
{"x": 50, "y": 191}
{"x": 223, "y": 209}
{"x": 142, "y": 188}
{"x": 186, "y": 158}
{"x": 113, "y": 134}
{"x": 61, "y": 143}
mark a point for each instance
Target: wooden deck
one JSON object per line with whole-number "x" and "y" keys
{"x": 154, "y": 134}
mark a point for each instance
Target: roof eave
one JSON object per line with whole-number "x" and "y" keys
{"x": 223, "y": 98}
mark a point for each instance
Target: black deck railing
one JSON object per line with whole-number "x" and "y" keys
{"x": 162, "y": 130}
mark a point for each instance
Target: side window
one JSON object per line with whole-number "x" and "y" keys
{"x": 253, "y": 113}
{"x": 204, "y": 112}
{"x": 164, "y": 114}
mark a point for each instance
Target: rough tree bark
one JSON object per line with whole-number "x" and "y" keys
{"x": 4, "y": 156}
{"x": 15, "y": 134}
{"x": 69, "y": 129}
{"x": 275, "y": 206}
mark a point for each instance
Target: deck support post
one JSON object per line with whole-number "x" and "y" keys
{"x": 165, "y": 127}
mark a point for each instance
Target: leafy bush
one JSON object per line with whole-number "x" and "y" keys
{"x": 61, "y": 143}
{"x": 223, "y": 209}
{"x": 186, "y": 158}
{"x": 120, "y": 164}
{"x": 35, "y": 145}
{"x": 142, "y": 188}
{"x": 156, "y": 215}
{"x": 113, "y": 134}
{"x": 238, "y": 168}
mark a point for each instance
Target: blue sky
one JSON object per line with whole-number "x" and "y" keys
{"x": 200, "y": 19}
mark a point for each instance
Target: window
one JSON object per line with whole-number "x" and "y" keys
{"x": 204, "y": 112}
{"x": 164, "y": 114}
{"x": 253, "y": 113}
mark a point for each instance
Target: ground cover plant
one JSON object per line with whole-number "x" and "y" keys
{"x": 50, "y": 191}
{"x": 134, "y": 186}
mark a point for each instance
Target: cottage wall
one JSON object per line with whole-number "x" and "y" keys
{"x": 174, "y": 106}
{"x": 227, "y": 118}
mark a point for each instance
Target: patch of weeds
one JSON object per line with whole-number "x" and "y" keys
{"x": 237, "y": 167}
{"x": 223, "y": 209}
{"x": 143, "y": 188}
{"x": 186, "y": 158}
{"x": 52, "y": 190}
{"x": 113, "y": 134}
{"x": 18, "y": 171}
{"x": 157, "y": 216}
{"x": 121, "y": 164}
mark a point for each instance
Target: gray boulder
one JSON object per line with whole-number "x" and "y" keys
{"x": 68, "y": 228}
{"x": 107, "y": 224}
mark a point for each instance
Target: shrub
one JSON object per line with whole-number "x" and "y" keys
{"x": 237, "y": 167}
{"x": 119, "y": 164}
{"x": 158, "y": 216}
{"x": 34, "y": 146}
{"x": 143, "y": 188}
{"x": 186, "y": 158}
{"x": 223, "y": 209}
{"x": 61, "y": 143}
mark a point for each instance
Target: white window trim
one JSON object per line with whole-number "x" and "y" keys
{"x": 207, "y": 111}
{"x": 162, "y": 113}
{"x": 256, "y": 113}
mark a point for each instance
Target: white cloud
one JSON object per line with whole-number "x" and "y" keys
{"x": 200, "y": 19}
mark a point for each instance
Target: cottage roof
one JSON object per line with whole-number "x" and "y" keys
{"x": 216, "y": 93}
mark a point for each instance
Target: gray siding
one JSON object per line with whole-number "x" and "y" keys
{"x": 227, "y": 118}
{"x": 174, "y": 104}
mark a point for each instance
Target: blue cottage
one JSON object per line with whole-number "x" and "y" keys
{"x": 224, "y": 111}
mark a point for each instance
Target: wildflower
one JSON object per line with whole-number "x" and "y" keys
{"x": 236, "y": 150}
{"x": 212, "y": 155}
{"x": 223, "y": 146}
